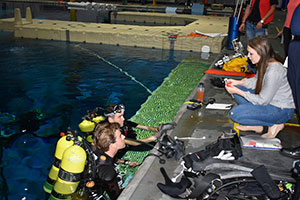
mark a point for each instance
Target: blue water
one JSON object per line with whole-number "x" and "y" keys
{"x": 47, "y": 86}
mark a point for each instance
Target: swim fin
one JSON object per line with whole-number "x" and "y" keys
{"x": 173, "y": 189}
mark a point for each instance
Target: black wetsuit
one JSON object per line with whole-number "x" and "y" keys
{"x": 106, "y": 177}
{"x": 127, "y": 129}
{"x": 128, "y": 132}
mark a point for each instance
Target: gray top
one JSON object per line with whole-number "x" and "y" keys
{"x": 275, "y": 88}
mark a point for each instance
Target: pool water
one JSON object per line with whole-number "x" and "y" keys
{"x": 47, "y": 86}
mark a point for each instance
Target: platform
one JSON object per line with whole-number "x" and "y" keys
{"x": 160, "y": 37}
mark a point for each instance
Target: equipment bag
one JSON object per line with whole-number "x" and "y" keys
{"x": 238, "y": 64}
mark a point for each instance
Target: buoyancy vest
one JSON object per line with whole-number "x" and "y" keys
{"x": 264, "y": 7}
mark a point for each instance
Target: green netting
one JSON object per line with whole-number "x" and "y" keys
{"x": 164, "y": 103}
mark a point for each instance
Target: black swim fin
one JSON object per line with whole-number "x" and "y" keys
{"x": 173, "y": 189}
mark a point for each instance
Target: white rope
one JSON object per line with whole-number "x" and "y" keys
{"x": 120, "y": 69}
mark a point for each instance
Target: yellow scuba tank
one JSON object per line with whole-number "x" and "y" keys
{"x": 62, "y": 144}
{"x": 87, "y": 126}
{"x": 98, "y": 119}
{"x": 70, "y": 172}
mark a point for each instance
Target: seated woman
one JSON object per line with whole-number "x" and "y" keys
{"x": 266, "y": 99}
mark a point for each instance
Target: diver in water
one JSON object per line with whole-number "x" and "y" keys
{"x": 114, "y": 113}
{"x": 108, "y": 141}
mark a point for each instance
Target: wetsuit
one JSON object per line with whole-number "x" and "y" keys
{"x": 128, "y": 131}
{"x": 105, "y": 178}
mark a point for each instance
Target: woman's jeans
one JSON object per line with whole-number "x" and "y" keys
{"x": 247, "y": 113}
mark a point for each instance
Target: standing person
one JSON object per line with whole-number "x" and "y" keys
{"x": 258, "y": 14}
{"x": 108, "y": 140}
{"x": 266, "y": 99}
{"x": 294, "y": 59}
{"x": 286, "y": 31}
{"x": 294, "y": 74}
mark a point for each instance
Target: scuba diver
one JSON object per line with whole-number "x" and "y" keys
{"x": 28, "y": 122}
{"x": 84, "y": 169}
{"x": 84, "y": 164}
{"x": 108, "y": 141}
{"x": 114, "y": 113}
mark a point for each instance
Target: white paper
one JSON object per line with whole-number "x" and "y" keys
{"x": 257, "y": 142}
{"x": 219, "y": 106}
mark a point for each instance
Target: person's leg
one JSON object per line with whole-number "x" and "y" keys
{"x": 283, "y": 116}
{"x": 257, "y": 115}
{"x": 250, "y": 30}
{"x": 239, "y": 99}
{"x": 273, "y": 131}
{"x": 261, "y": 32}
{"x": 287, "y": 36}
{"x": 257, "y": 129}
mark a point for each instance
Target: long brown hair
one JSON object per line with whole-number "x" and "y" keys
{"x": 265, "y": 50}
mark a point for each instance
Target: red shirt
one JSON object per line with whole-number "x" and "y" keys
{"x": 292, "y": 5}
{"x": 264, "y": 7}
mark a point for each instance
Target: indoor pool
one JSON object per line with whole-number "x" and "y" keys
{"x": 48, "y": 86}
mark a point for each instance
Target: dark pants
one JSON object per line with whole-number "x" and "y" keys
{"x": 287, "y": 36}
{"x": 294, "y": 72}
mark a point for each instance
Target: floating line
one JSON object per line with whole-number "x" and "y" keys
{"x": 120, "y": 69}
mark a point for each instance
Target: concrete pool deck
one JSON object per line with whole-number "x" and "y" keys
{"x": 161, "y": 37}
{"x": 211, "y": 124}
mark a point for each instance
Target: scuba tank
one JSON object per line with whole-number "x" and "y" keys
{"x": 89, "y": 123}
{"x": 62, "y": 144}
{"x": 71, "y": 168}
{"x": 70, "y": 172}
{"x": 90, "y": 120}
{"x": 86, "y": 126}
{"x": 70, "y": 159}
